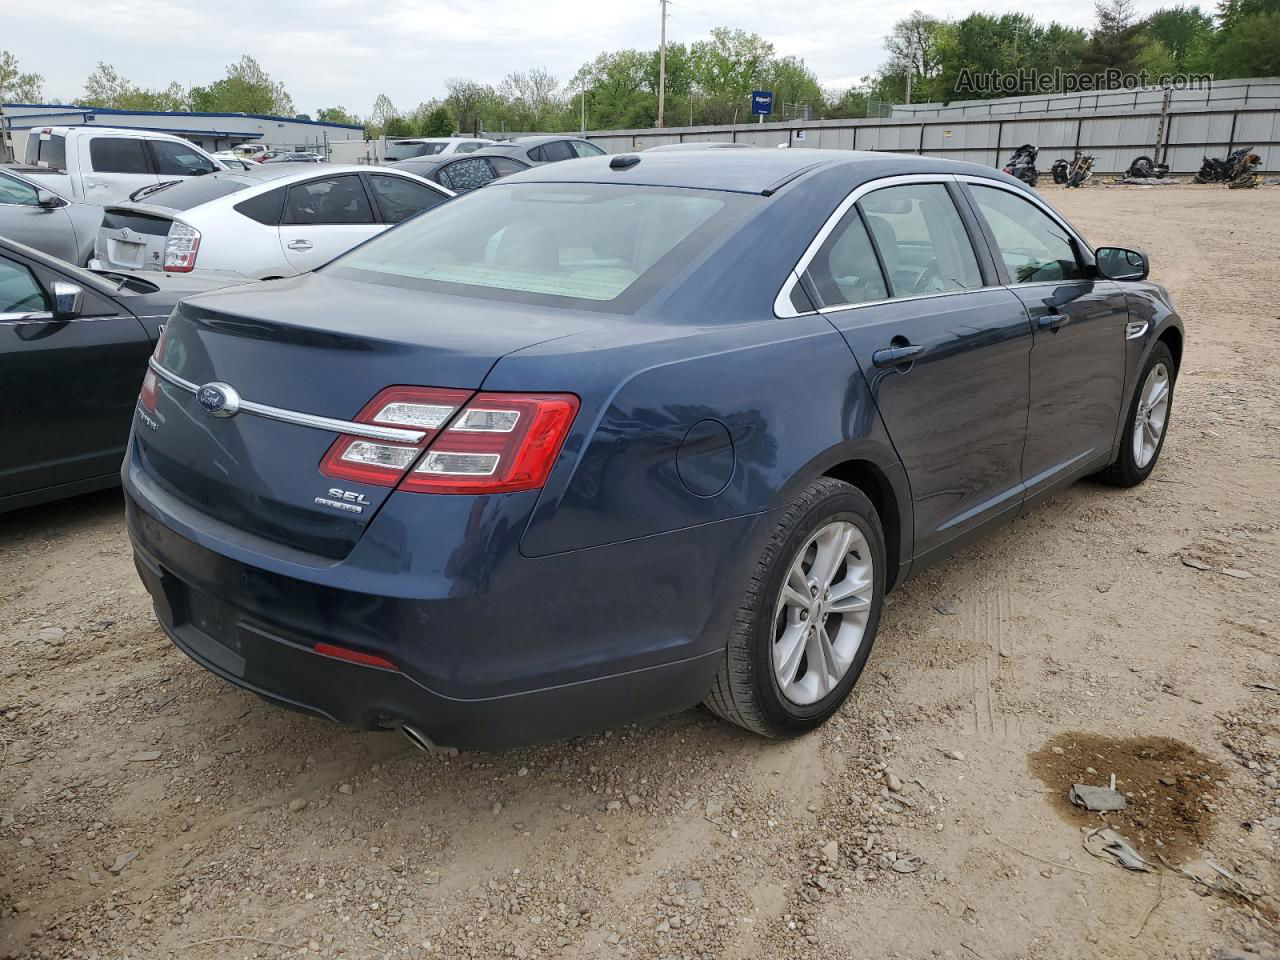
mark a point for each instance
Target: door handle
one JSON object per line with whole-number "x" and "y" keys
{"x": 1052, "y": 321}
{"x": 897, "y": 356}
{"x": 300, "y": 245}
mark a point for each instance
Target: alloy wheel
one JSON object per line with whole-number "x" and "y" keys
{"x": 820, "y": 618}
{"x": 1151, "y": 416}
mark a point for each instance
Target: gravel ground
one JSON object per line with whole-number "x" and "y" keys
{"x": 148, "y": 809}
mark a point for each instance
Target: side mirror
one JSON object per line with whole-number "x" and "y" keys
{"x": 1118, "y": 263}
{"x": 48, "y": 201}
{"x": 68, "y": 300}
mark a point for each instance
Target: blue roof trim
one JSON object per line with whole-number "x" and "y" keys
{"x": 89, "y": 126}
{"x": 182, "y": 113}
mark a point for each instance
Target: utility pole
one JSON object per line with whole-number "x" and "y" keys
{"x": 584, "y": 108}
{"x": 662, "y": 63}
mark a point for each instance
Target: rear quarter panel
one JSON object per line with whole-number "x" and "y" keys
{"x": 785, "y": 396}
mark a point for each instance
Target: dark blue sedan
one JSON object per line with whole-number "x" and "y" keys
{"x": 614, "y": 437}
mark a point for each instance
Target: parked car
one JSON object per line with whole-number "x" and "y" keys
{"x": 73, "y": 349}
{"x": 253, "y": 152}
{"x": 294, "y": 156}
{"x": 466, "y": 172}
{"x": 232, "y": 161}
{"x": 432, "y": 147}
{"x": 547, "y": 149}
{"x": 608, "y": 439}
{"x": 276, "y": 220}
{"x": 33, "y": 214}
{"x": 104, "y": 164}
{"x": 698, "y": 145}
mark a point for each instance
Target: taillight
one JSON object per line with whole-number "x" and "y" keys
{"x": 380, "y": 462}
{"x": 147, "y": 396}
{"x": 180, "y": 248}
{"x": 150, "y": 382}
{"x": 499, "y": 443}
{"x": 486, "y": 443}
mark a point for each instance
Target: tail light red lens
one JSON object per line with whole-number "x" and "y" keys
{"x": 147, "y": 396}
{"x": 482, "y": 443}
{"x": 500, "y": 443}
{"x": 336, "y": 652}
{"x": 383, "y": 463}
{"x": 180, "y": 248}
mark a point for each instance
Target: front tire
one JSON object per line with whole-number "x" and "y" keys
{"x": 807, "y": 623}
{"x": 1146, "y": 423}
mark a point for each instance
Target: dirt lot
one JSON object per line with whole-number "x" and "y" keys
{"x": 147, "y": 809}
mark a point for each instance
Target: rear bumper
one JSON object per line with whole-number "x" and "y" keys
{"x": 544, "y": 648}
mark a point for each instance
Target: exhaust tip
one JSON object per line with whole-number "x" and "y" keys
{"x": 425, "y": 743}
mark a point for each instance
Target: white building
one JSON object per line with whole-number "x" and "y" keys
{"x": 212, "y": 131}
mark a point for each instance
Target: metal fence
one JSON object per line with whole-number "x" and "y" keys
{"x": 1114, "y": 137}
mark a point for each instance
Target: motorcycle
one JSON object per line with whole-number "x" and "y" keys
{"x": 1227, "y": 170}
{"x": 1023, "y": 164}
{"x": 1144, "y": 168}
{"x": 1080, "y": 169}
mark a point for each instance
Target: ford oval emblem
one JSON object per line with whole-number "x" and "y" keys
{"x": 220, "y": 399}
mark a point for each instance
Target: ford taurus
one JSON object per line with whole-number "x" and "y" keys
{"x": 611, "y": 438}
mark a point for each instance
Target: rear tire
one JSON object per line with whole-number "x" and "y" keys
{"x": 1136, "y": 460}
{"x": 830, "y": 539}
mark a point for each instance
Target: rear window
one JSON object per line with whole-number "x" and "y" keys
{"x": 600, "y": 246}
{"x": 46, "y": 150}
{"x": 186, "y": 194}
{"x": 403, "y": 151}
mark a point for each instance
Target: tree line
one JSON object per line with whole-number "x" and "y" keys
{"x": 709, "y": 81}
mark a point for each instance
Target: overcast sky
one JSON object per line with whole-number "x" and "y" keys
{"x": 346, "y": 52}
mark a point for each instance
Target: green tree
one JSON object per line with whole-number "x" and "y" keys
{"x": 618, "y": 90}
{"x": 440, "y": 122}
{"x": 1114, "y": 43}
{"x": 336, "y": 115}
{"x": 726, "y": 68}
{"x": 1249, "y": 47}
{"x": 16, "y": 86}
{"x": 105, "y": 87}
{"x": 1186, "y": 32}
{"x": 398, "y": 126}
{"x": 246, "y": 88}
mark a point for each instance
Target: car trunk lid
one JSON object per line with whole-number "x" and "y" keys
{"x": 310, "y": 347}
{"x": 133, "y": 237}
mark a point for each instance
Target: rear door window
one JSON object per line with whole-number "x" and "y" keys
{"x": 19, "y": 292}
{"x": 557, "y": 150}
{"x": 467, "y": 174}
{"x": 179, "y": 160}
{"x": 118, "y": 155}
{"x": 921, "y": 239}
{"x": 1034, "y": 247}
{"x": 584, "y": 149}
{"x": 399, "y": 198}
{"x": 331, "y": 200}
{"x": 265, "y": 208}
{"x": 845, "y": 269}
{"x": 505, "y": 166}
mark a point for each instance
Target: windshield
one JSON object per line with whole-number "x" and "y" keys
{"x": 403, "y": 151}
{"x": 603, "y": 246}
{"x": 185, "y": 194}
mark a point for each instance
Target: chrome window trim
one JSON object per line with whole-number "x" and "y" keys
{"x": 26, "y": 317}
{"x": 366, "y": 430}
{"x": 784, "y": 309}
{"x": 782, "y": 306}
{"x": 1034, "y": 199}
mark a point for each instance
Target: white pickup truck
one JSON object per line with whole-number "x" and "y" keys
{"x": 105, "y": 164}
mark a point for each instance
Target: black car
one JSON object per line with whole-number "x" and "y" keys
{"x": 463, "y": 172}
{"x": 73, "y": 351}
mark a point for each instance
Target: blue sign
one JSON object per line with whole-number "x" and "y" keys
{"x": 762, "y": 102}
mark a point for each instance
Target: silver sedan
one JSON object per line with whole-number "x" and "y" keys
{"x": 32, "y": 214}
